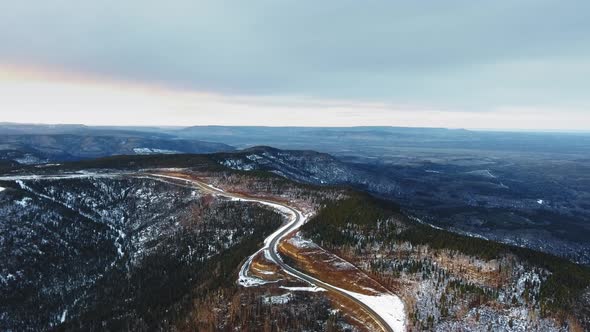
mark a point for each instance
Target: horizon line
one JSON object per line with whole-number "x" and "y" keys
{"x": 514, "y": 130}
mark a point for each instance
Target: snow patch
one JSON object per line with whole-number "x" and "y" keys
{"x": 388, "y": 306}
{"x": 78, "y": 175}
{"x": 23, "y": 202}
{"x": 118, "y": 245}
{"x": 237, "y": 164}
{"x": 486, "y": 173}
{"x": 153, "y": 151}
{"x": 246, "y": 280}
{"x": 7, "y": 278}
{"x": 46, "y": 165}
{"x": 300, "y": 242}
{"x": 214, "y": 188}
{"x": 279, "y": 299}
{"x": 29, "y": 159}
{"x": 304, "y": 289}
{"x": 425, "y": 223}
{"x": 63, "y": 316}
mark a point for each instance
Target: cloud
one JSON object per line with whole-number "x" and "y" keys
{"x": 455, "y": 55}
{"x": 38, "y": 96}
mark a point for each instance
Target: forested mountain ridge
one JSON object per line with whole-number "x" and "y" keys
{"x": 161, "y": 255}
{"x": 535, "y": 208}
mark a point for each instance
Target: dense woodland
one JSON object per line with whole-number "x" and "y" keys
{"x": 160, "y": 292}
{"x": 354, "y": 226}
{"x": 176, "y": 266}
{"x": 117, "y": 253}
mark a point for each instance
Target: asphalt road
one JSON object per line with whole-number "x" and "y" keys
{"x": 276, "y": 238}
{"x": 293, "y": 225}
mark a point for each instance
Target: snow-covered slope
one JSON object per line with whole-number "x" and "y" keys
{"x": 70, "y": 244}
{"x": 306, "y": 166}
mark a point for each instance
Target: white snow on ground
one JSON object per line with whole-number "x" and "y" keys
{"x": 7, "y": 278}
{"x": 278, "y": 299}
{"x": 2, "y": 189}
{"x": 153, "y": 151}
{"x": 425, "y": 223}
{"x": 389, "y": 306}
{"x": 120, "y": 236}
{"x": 244, "y": 279}
{"x": 237, "y": 164}
{"x": 63, "y": 316}
{"x": 540, "y": 201}
{"x": 531, "y": 277}
{"x": 300, "y": 242}
{"x": 23, "y": 202}
{"x": 484, "y": 172}
{"x": 304, "y": 289}
{"x": 247, "y": 281}
{"x": 46, "y": 165}
{"x": 254, "y": 157}
{"x": 77, "y": 175}
{"x": 214, "y": 187}
{"x": 188, "y": 181}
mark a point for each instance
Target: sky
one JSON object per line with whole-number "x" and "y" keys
{"x": 518, "y": 64}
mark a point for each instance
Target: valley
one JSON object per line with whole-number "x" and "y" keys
{"x": 255, "y": 250}
{"x": 387, "y": 322}
{"x": 294, "y": 166}
{"x": 532, "y": 194}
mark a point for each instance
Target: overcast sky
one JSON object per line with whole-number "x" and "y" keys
{"x": 493, "y": 64}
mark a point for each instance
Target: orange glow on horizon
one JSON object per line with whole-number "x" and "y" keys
{"x": 31, "y": 94}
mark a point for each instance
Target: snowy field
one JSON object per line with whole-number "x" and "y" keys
{"x": 389, "y": 306}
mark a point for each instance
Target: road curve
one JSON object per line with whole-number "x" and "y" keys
{"x": 276, "y": 237}
{"x": 316, "y": 282}
{"x": 273, "y": 240}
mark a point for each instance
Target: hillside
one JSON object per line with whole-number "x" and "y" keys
{"x": 43, "y": 148}
{"x": 454, "y": 282}
{"x": 105, "y": 242}
{"x": 503, "y": 206}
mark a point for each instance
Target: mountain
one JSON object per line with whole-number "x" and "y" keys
{"x": 534, "y": 201}
{"x": 7, "y": 128}
{"x": 172, "y": 242}
{"x": 383, "y": 142}
{"x": 522, "y": 208}
{"x": 305, "y": 166}
{"x": 460, "y": 227}
{"x": 112, "y": 248}
{"x": 42, "y": 148}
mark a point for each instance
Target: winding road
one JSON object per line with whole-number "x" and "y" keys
{"x": 272, "y": 243}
